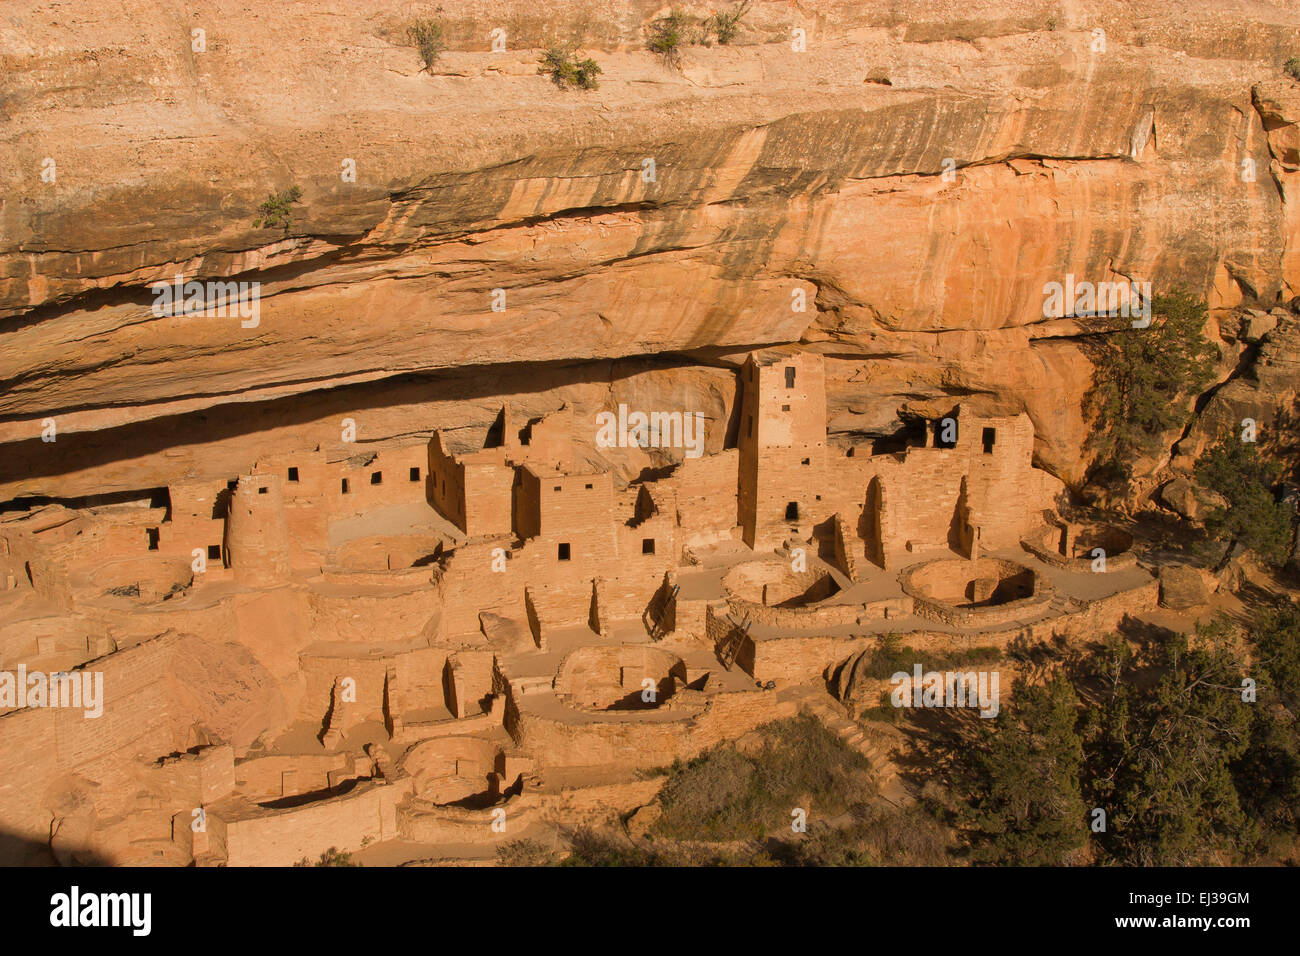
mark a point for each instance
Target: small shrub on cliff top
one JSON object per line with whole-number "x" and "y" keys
{"x": 428, "y": 40}
{"x": 331, "y": 857}
{"x": 276, "y": 211}
{"x": 1292, "y": 67}
{"x": 727, "y": 24}
{"x": 561, "y": 63}
{"x": 667, "y": 35}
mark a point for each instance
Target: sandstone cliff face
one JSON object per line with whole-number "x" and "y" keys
{"x": 130, "y": 158}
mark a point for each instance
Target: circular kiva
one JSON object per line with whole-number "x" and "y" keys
{"x": 455, "y": 769}
{"x": 774, "y": 584}
{"x": 1078, "y": 548}
{"x": 965, "y": 593}
{"x": 623, "y": 677}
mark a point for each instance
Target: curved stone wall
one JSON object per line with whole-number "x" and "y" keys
{"x": 979, "y": 593}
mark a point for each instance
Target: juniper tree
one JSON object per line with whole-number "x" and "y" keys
{"x": 1268, "y": 774}
{"x": 1245, "y": 511}
{"x": 1026, "y": 807}
{"x": 1159, "y": 755}
{"x": 1143, "y": 381}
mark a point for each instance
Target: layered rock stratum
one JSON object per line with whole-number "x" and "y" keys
{"x": 1101, "y": 139}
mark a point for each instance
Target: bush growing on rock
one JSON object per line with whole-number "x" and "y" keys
{"x": 331, "y": 857}
{"x": 428, "y": 39}
{"x": 277, "y": 210}
{"x": 1244, "y": 512}
{"x": 667, "y": 36}
{"x": 726, "y": 24}
{"x": 1292, "y": 67}
{"x": 561, "y": 63}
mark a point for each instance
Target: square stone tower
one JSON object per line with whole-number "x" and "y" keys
{"x": 782, "y": 446}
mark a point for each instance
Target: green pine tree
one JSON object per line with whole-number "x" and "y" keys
{"x": 1026, "y": 806}
{"x": 1160, "y": 755}
{"x": 1142, "y": 382}
{"x": 1246, "y": 512}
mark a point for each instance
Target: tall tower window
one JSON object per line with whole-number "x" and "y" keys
{"x": 789, "y": 376}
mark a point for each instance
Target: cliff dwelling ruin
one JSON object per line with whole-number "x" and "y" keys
{"x": 815, "y": 433}
{"x": 476, "y": 621}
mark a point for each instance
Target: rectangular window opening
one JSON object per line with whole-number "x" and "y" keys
{"x": 214, "y": 552}
{"x": 789, "y": 376}
{"x": 345, "y": 486}
{"x": 990, "y": 436}
{"x": 564, "y": 551}
{"x": 376, "y": 477}
{"x": 415, "y": 474}
{"x": 647, "y": 545}
{"x": 293, "y": 474}
{"x": 153, "y": 538}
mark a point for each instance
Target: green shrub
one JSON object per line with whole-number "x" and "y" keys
{"x": 561, "y": 63}
{"x": 878, "y": 836}
{"x": 1275, "y": 632}
{"x": 1268, "y": 775}
{"x": 525, "y": 853}
{"x": 604, "y": 848}
{"x": 1142, "y": 381}
{"x": 1292, "y": 67}
{"x": 331, "y": 857}
{"x": 725, "y": 794}
{"x": 727, "y": 24}
{"x": 428, "y": 39}
{"x": 1026, "y": 808}
{"x": 276, "y": 211}
{"x": 891, "y": 655}
{"x": 1249, "y": 515}
{"x": 1160, "y": 743}
{"x": 668, "y": 35}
